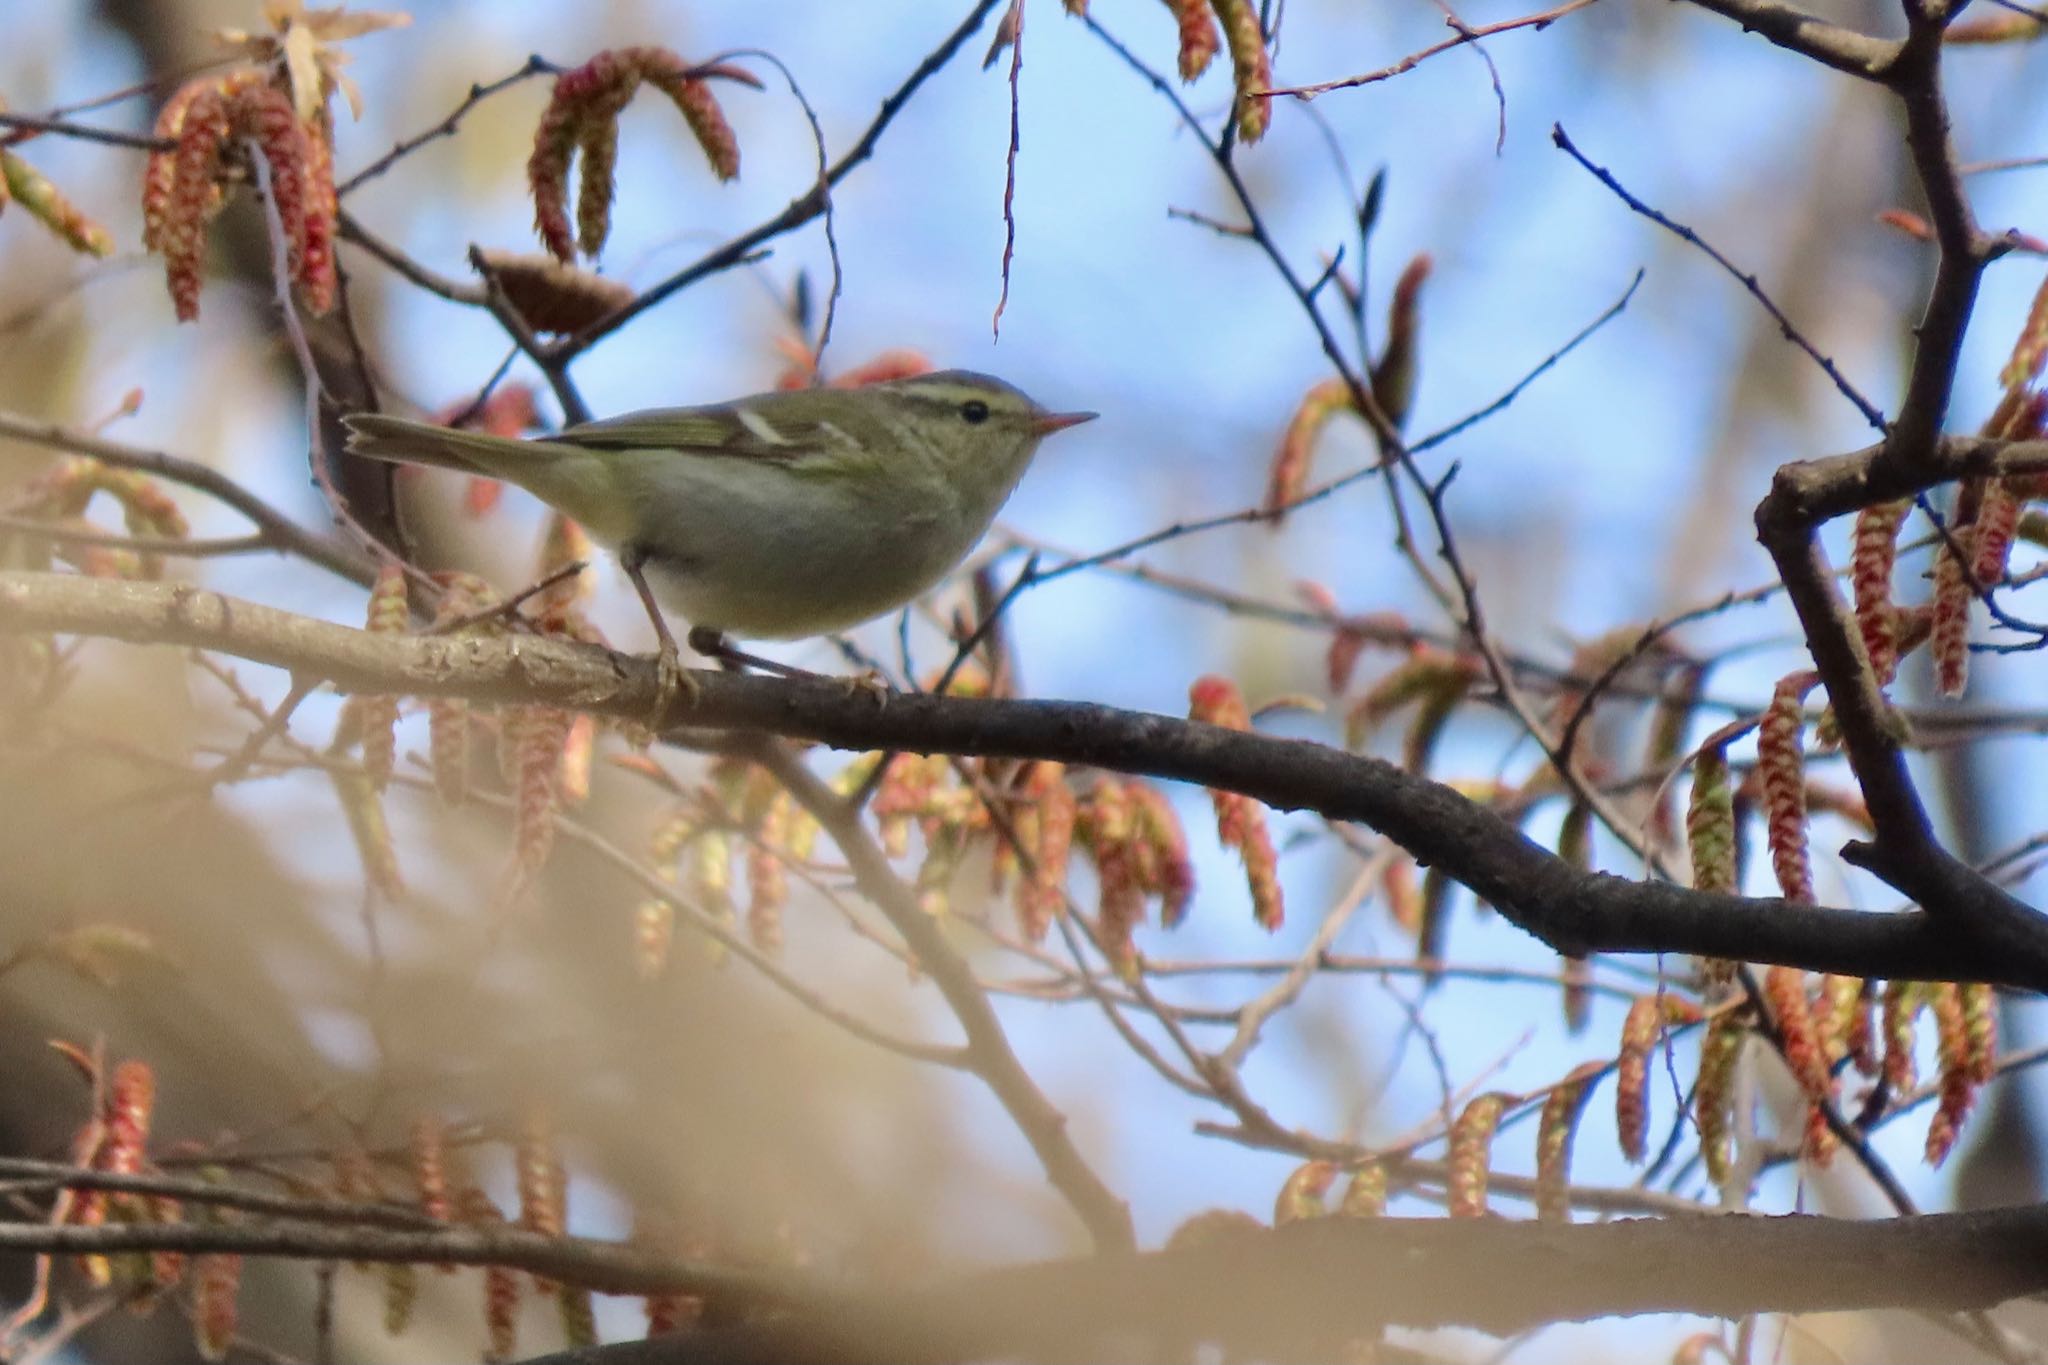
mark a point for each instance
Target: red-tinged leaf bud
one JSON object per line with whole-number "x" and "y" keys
{"x": 31, "y": 189}
{"x": 317, "y": 276}
{"x": 1710, "y": 822}
{"x": 1287, "y": 478}
{"x": 668, "y": 1313}
{"x": 1639, "y": 1032}
{"x": 1365, "y": 1195}
{"x": 1851, "y": 1031}
{"x": 1302, "y": 1194}
{"x": 1215, "y": 700}
{"x": 768, "y": 878}
{"x": 401, "y": 1293}
{"x": 1792, "y": 1010}
{"x": 1403, "y": 899}
{"x": 265, "y": 114}
{"x": 1805, "y": 1052}
{"x": 597, "y": 148}
{"x": 1005, "y": 35}
{"x": 543, "y": 1186}
{"x": 1555, "y": 1131}
{"x": 1428, "y": 674}
{"x": 2030, "y": 349}
{"x": 1121, "y": 896}
{"x": 378, "y": 715}
{"x": 1394, "y": 374}
{"x": 1980, "y": 1028}
{"x": 216, "y": 1286}
{"x": 194, "y": 197}
{"x": 1710, "y": 836}
{"x": 1471, "y": 1149}
{"x": 1902, "y": 1002}
{"x": 539, "y": 736}
{"x": 130, "y": 1103}
{"x": 654, "y": 931}
{"x": 1781, "y": 767}
{"x": 547, "y": 173}
{"x": 501, "y": 1314}
{"x": 1241, "y": 821}
{"x": 579, "y": 1319}
{"x": 1958, "y": 1083}
{"x": 709, "y": 870}
{"x": 1993, "y": 28}
{"x": 1870, "y": 575}
{"x": 166, "y": 1268}
{"x": 1043, "y": 894}
{"x": 448, "y": 748}
{"x": 885, "y": 368}
{"x": 428, "y": 1144}
{"x": 1199, "y": 40}
{"x": 579, "y": 752}
{"x": 159, "y": 175}
{"x": 1173, "y": 871}
{"x": 1911, "y": 224}
{"x": 1249, "y": 66}
{"x": 700, "y": 109}
{"x": 1714, "y": 1095}
{"x": 1997, "y": 517}
{"x": 1949, "y": 638}
{"x": 364, "y": 809}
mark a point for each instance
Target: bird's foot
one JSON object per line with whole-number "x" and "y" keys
{"x": 672, "y": 682}
{"x": 870, "y": 683}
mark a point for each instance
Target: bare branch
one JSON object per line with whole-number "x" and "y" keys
{"x": 1978, "y": 932}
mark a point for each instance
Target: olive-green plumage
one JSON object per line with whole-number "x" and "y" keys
{"x": 779, "y": 516}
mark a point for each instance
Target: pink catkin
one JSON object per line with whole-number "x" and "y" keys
{"x": 1781, "y": 766}
{"x": 1958, "y": 1082}
{"x": 193, "y": 199}
{"x": 1870, "y": 573}
{"x": 1949, "y": 636}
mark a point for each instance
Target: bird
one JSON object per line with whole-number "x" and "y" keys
{"x": 778, "y": 516}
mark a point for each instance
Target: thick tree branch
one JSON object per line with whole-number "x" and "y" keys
{"x": 1575, "y": 911}
{"x": 1794, "y": 29}
{"x": 1300, "y": 1291}
{"x": 1905, "y": 852}
{"x": 1915, "y": 76}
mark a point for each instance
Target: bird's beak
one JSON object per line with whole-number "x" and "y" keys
{"x": 1047, "y": 423}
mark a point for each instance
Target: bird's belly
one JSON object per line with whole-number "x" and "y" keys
{"x": 784, "y": 563}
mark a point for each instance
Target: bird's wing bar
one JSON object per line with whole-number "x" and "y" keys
{"x": 730, "y": 431}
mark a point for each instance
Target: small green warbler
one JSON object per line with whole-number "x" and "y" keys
{"x": 780, "y": 516}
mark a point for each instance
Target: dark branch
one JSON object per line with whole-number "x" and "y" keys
{"x": 1574, "y": 911}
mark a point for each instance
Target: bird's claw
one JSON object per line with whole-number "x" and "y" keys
{"x": 672, "y": 683}
{"x": 872, "y": 683}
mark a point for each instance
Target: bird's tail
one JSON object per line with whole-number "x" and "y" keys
{"x": 401, "y": 440}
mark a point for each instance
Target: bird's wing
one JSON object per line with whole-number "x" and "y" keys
{"x": 738, "y": 430}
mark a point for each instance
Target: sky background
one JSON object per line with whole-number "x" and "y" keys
{"x": 1616, "y": 489}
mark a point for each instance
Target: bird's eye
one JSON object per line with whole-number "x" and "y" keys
{"x": 974, "y": 411}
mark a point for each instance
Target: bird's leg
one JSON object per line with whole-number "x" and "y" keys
{"x": 671, "y": 679}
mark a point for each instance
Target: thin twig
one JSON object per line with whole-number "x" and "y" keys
{"x": 1870, "y": 412}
